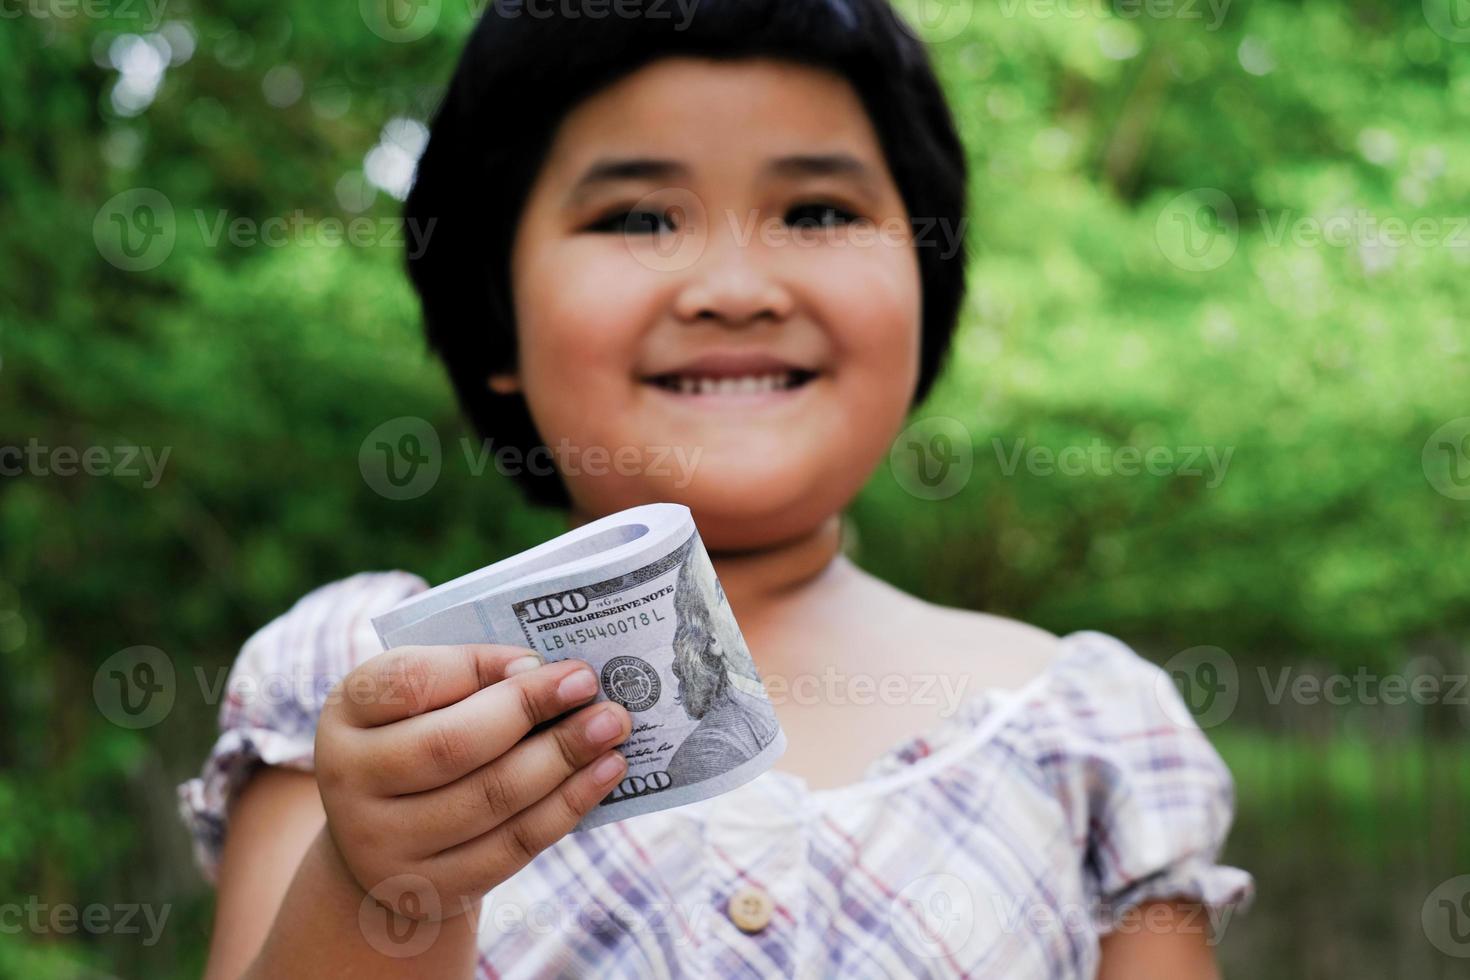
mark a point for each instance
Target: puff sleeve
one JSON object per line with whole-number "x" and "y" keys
{"x": 1150, "y": 797}
{"x": 275, "y": 693}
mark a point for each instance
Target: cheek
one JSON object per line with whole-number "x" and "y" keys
{"x": 578, "y": 335}
{"x": 873, "y": 304}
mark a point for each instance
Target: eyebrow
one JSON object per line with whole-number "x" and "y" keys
{"x": 615, "y": 170}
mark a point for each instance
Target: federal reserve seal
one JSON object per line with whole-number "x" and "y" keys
{"x": 631, "y": 682}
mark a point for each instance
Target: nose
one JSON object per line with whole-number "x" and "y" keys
{"x": 733, "y": 283}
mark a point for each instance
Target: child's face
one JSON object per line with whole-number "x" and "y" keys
{"x": 623, "y": 325}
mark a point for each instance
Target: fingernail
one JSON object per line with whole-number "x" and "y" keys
{"x": 577, "y": 685}
{"x": 608, "y": 769}
{"x": 603, "y": 726}
{"x": 521, "y": 665}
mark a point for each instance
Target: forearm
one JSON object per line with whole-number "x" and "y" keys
{"x": 324, "y": 930}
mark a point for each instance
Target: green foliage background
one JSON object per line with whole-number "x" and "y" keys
{"x": 1324, "y": 369}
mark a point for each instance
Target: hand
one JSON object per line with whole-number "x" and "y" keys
{"x": 425, "y": 767}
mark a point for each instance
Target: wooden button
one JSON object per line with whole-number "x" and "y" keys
{"x": 750, "y": 909}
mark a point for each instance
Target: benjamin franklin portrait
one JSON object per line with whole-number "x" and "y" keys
{"x": 734, "y": 723}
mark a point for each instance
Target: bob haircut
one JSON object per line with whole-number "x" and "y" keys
{"x": 525, "y": 66}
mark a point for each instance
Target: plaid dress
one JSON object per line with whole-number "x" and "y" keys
{"x": 1002, "y": 843}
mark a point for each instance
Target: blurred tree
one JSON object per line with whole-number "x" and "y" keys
{"x": 1151, "y": 193}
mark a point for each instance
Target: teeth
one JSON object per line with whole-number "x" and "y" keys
{"x": 750, "y": 384}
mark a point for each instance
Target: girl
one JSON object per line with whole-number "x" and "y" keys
{"x": 701, "y": 234}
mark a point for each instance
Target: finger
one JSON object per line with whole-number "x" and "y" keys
{"x": 482, "y": 800}
{"x": 407, "y": 681}
{"x": 436, "y": 748}
{"x": 486, "y": 861}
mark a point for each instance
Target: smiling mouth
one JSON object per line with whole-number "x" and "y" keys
{"x": 758, "y": 383}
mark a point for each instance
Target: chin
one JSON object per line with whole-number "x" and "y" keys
{"x": 741, "y": 511}
{"x": 750, "y": 488}
{"x": 735, "y": 507}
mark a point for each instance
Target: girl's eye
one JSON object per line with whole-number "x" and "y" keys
{"x": 633, "y": 223}
{"x": 819, "y": 216}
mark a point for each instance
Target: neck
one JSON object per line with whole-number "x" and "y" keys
{"x": 758, "y": 579}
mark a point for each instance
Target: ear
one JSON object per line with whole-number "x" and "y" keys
{"x": 507, "y": 383}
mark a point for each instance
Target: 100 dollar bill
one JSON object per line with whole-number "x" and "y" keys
{"x": 658, "y": 632}
{"x": 664, "y": 644}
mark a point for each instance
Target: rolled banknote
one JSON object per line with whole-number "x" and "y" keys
{"x": 635, "y": 595}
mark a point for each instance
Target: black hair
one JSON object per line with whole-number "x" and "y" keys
{"x": 525, "y": 67}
